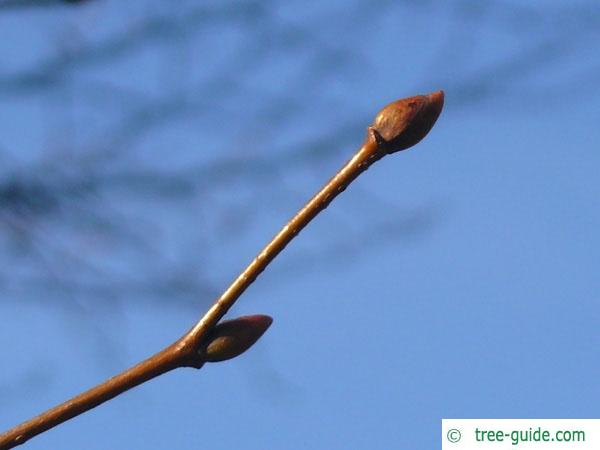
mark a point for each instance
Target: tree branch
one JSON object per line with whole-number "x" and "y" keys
{"x": 398, "y": 126}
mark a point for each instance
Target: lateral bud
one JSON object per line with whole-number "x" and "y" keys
{"x": 231, "y": 338}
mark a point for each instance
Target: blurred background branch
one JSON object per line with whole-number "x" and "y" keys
{"x": 90, "y": 151}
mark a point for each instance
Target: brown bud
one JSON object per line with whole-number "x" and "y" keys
{"x": 231, "y": 338}
{"x": 405, "y": 122}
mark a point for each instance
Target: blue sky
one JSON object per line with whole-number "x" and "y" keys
{"x": 458, "y": 279}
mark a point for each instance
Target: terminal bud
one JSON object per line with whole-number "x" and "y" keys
{"x": 405, "y": 122}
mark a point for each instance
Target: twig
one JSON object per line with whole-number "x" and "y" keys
{"x": 396, "y": 127}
